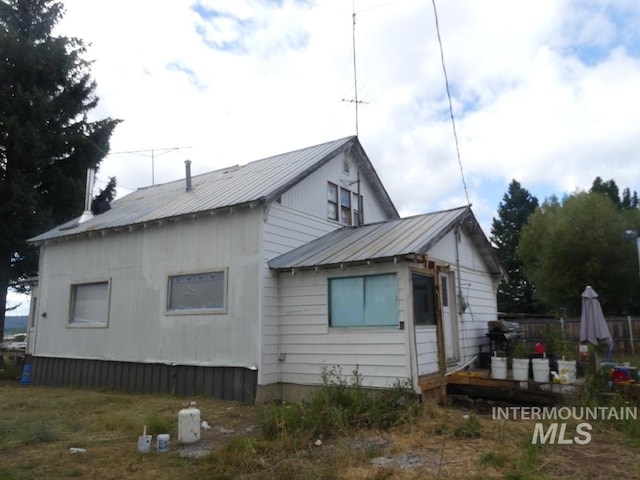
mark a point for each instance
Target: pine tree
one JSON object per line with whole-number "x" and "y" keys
{"x": 516, "y": 295}
{"x": 46, "y": 139}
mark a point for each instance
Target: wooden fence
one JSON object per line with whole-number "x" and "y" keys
{"x": 624, "y": 330}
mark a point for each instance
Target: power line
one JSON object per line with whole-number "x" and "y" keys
{"x": 453, "y": 122}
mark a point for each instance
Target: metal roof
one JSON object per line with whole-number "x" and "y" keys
{"x": 386, "y": 241}
{"x": 239, "y": 185}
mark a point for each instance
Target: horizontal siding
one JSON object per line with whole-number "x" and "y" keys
{"x": 479, "y": 291}
{"x": 427, "y": 350}
{"x": 308, "y": 344}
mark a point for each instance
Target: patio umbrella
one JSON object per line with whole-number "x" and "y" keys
{"x": 593, "y": 326}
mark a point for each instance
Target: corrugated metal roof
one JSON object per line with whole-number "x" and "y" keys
{"x": 385, "y": 240}
{"x": 238, "y": 185}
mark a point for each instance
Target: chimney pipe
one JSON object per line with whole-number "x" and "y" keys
{"x": 187, "y": 167}
{"x": 87, "y": 214}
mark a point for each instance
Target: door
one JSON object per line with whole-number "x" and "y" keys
{"x": 449, "y": 318}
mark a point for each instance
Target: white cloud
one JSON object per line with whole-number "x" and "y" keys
{"x": 545, "y": 92}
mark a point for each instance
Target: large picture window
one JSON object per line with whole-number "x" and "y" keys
{"x": 363, "y": 301}
{"x": 199, "y": 292}
{"x": 90, "y": 304}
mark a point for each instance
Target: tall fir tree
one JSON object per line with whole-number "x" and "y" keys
{"x": 517, "y": 294}
{"x": 47, "y": 141}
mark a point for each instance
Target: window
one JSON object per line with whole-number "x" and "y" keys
{"x": 199, "y": 292}
{"x": 90, "y": 304}
{"x": 363, "y": 301}
{"x": 424, "y": 299}
{"x": 343, "y": 205}
{"x": 332, "y": 201}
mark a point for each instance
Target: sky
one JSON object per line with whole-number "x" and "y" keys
{"x": 546, "y": 92}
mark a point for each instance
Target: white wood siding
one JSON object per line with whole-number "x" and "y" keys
{"x": 310, "y": 195}
{"x": 479, "y": 292}
{"x": 308, "y": 344}
{"x": 299, "y": 217}
{"x": 137, "y": 263}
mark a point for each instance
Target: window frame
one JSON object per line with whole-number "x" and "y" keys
{"x": 362, "y": 309}
{"x": 349, "y": 208}
{"x": 73, "y": 295}
{"x": 333, "y": 201}
{"x": 169, "y": 310}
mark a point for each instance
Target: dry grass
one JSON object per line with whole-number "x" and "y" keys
{"x": 39, "y": 425}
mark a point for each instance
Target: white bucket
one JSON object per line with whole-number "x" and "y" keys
{"x": 162, "y": 442}
{"x": 567, "y": 371}
{"x": 540, "y": 369}
{"x": 189, "y": 425}
{"x": 499, "y": 367}
{"x": 520, "y": 368}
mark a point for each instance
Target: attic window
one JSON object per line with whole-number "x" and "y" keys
{"x": 342, "y": 205}
{"x": 346, "y": 165}
{"x": 197, "y": 293}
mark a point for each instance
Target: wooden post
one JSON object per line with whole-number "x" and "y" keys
{"x": 633, "y": 349}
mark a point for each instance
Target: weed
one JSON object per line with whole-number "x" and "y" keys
{"x": 340, "y": 405}
{"x": 493, "y": 459}
{"x": 40, "y": 431}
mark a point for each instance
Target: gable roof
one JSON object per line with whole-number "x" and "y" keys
{"x": 386, "y": 241}
{"x": 249, "y": 185}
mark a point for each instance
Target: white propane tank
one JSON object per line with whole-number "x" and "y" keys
{"x": 189, "y": 424}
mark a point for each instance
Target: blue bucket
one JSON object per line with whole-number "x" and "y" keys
{"x": 25, "y": 380}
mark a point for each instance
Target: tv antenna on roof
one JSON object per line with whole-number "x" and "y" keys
{"x": 153, "y": 156}
{"x": 354, "y": 100}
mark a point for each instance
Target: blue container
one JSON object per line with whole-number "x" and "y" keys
{"x": 25, "y": 380}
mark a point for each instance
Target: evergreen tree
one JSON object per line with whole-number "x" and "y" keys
{"x": 516, "y": 295}
{"x": 46, "y": 139}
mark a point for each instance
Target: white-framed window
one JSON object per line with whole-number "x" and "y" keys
{"x": 202, "y": 292}
{"x": 90, "y": 304}
{"x": 364, "y": 301}
{"x": 343, "y": 205}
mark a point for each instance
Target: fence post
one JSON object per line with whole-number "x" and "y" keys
{"x": 633, "y": 348}
{"x": 562, "y": 327}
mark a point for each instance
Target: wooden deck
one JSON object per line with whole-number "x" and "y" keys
{"x": 478, "y": 384}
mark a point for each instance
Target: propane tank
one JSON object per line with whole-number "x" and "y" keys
{"x": 189, "y": 424}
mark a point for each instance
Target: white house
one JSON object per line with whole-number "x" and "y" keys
{"x": 243, "y": 283}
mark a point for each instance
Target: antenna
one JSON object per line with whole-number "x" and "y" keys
{"x": 354, "y": 100}
{"x": 153, "y": 156}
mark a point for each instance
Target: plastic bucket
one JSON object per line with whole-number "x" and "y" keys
{"x": 25, "y": 380}
{"x": 567, "y": 371}
{"x": 540, "y": 369}
{"x": 499, "y": 367}
{"x": 520, "y": 367}
{"x": 162, "y": 442}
